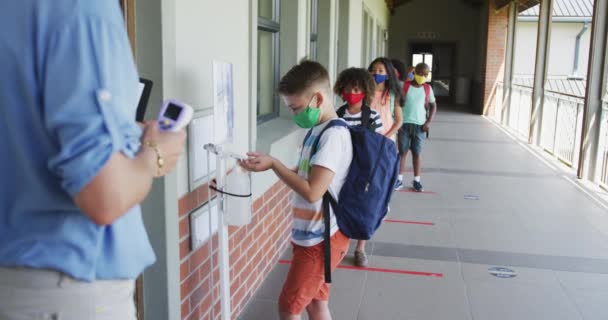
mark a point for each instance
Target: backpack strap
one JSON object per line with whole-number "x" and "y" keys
{"x": 366, "y": 117}
{"x": 406, "y": 87}
{"x": 328, "y": 200}
{"x": 342, "y": 111}
{"x": 331, "y": 124}
{"x": 427, "y": 95}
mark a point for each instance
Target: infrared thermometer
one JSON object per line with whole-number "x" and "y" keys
{"x": 174, "y": 115}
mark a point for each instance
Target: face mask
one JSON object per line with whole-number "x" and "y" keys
{"x": 352, "y": 98}
{"x": 307, "y": 118}
{"x": 410, "y": 76}
{"x": 420, "y": 79}
{"x": 380, "y": 78}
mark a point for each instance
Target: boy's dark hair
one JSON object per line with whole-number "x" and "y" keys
{"x": 302, "y": 77}
{"x": 422, "y": 66}
{"x": 392, "y": 83}
{"x": 400, "y": 66}
{"x": 356, "y": 77}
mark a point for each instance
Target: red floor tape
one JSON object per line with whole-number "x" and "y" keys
{"x": 381, "y": 270}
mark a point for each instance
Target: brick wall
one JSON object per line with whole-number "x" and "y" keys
{"x": 254, "y": 250}
{"x": 496, "y": 43}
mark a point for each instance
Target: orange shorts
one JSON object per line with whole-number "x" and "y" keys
{"x": 306, "y": 278}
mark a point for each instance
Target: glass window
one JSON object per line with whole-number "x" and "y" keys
{"x": 266, "y": 9}
{"x": 266, "y": 73}
{"x": 268, "y": 60}
{"x": 314, "y": 21}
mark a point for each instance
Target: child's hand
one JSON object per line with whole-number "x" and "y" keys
{"x": 426, "y": 127}
{"x": 257, "y": 162}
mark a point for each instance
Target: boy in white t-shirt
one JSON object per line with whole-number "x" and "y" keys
{"x": 306, "y": 91}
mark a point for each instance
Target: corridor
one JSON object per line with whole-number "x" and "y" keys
{"x": 499, "y": 234}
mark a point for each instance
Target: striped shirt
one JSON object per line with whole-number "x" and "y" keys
{"x": 356, "y": 120}
{"x": 335, "y": 152}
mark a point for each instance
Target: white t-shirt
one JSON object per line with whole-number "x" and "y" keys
{"x": 335, "y": 152}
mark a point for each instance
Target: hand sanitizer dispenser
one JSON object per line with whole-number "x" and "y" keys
{"x": 238, "y": 197}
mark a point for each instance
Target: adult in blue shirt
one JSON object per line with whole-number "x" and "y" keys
{"x": 74, "y": 164}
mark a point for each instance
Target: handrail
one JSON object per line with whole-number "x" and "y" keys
{"x": 565, "y": 94}
{"x": 522, "y": 86}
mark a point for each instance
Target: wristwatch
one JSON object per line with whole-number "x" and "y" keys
{"x": 160, "y": 161}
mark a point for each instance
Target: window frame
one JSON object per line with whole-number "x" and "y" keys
{"x": 313, "y": 48}
{"x": 273, "y": 26}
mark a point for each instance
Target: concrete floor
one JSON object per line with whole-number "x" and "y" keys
{"x": 490, "y": 203}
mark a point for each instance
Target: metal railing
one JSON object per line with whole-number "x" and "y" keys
{"x": 562, "y": 126}
{"x": 520, "y": 110}
{"x": 498, "y": 100}
{"x": 603, "y": 146}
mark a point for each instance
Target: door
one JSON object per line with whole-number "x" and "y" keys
{"x": 440, "y": 57}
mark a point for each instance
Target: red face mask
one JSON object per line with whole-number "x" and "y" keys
{"x": 352, "y": 98}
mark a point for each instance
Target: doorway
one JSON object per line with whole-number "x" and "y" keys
{"x": 440, "y": 57}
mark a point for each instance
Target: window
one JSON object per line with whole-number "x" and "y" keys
{"x": 314, "y": 29}
{"x": 268, "y": 59}
{"x": 426, "y": 58}
{"x": 365, "y": 49}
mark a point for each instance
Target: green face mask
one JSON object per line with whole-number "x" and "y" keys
{"x": 307, "y": 118}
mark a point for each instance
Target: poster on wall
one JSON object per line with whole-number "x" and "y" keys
{"x": 201, "y": 132}
{"x": 223, "y": 104}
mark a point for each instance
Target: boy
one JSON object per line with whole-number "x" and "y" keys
{"x": 416, "y": 123}
{"x": 306, "y": 91}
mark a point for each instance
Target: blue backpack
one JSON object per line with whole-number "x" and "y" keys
{"x": 364, "y": 198}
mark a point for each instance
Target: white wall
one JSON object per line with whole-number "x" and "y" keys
{"x": 452, "y": 21}
{"x": 350, "y": 39}
{"x": 561, "y": 52}
{"x": 202, "y": 36}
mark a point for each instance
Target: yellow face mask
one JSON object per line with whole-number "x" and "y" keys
{"x": 420, "y": 79}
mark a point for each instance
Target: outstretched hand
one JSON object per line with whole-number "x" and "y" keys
{"x": 257, "y": 162}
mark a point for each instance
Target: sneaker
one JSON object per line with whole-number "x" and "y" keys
{"x": 399, "y": 185}
{"x": 417, "y": 186}
{"x": 360, "y": 259}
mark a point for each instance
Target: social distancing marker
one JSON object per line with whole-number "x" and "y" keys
{"x": 410, "y": 222}
{"x": 382, "y": 270}
{"x": 502, "y": 272}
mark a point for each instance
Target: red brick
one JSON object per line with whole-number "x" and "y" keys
{"x": 199, "y": 294}
{"x": 189, "y": 284}
{"x": 185, "y": 309}
{"x": 234, "y": 254}
{"x": 184, "y": 248}
{"x": 184, "y": 270}
{"x": 185, "y": 204}
{"x": 257, "y": 204}
{"x": 184, "y": 227}
{"x": 199, "y": 256}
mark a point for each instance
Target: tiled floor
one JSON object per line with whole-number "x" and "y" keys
{"x": 519, "y": 214}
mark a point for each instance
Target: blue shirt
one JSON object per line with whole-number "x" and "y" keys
{"x": 68, "y": 94}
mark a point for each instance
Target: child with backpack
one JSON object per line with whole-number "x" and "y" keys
{"x": 388, "y": 97}
{"x": 306, "y": 90}
{"x": 342, "y": 181}
{"x": 356, "y": 87}
{"x": 418, "y": 113}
